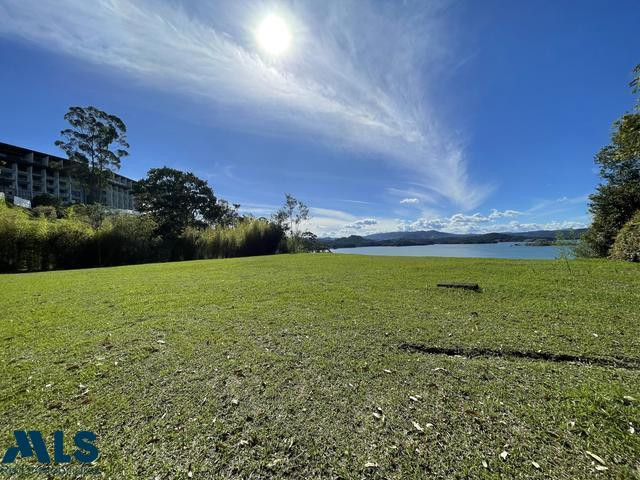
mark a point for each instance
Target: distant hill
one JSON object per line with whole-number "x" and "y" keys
{"x": 419, "y": 234}
{"x": 431, "y": 237}
{"x": 552, "y": 234}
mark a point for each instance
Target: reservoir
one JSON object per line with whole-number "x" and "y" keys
{"x": 471, "y": 250}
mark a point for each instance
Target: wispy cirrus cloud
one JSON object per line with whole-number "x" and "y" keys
{"x": 561, "y": 204}
{"x": 358, "y": 76}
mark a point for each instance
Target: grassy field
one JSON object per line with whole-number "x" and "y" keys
{"x": 330, "y": 366}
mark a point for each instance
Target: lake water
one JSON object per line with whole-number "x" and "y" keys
{"x": 475, "y": 250}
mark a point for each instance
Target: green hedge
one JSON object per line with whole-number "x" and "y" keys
{"x": 88, "y": 237}
{"x": 249, "y": 237}
{"x": 627, "y": 242}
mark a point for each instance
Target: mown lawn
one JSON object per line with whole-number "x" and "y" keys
{"x": 291, "y": 366}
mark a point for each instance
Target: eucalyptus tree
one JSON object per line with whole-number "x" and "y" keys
{"x": 291, "y": 214}
{"x": 97, "y": 142}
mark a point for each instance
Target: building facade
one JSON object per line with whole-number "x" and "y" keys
{"x": 26, "y": 173}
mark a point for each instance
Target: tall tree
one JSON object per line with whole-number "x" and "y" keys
{"x": 178, "y": 200}
{"x": 291, "y": 214}
{"x": 96, "y": 141}
{"x": 289, "y": 218}
{"x": 618, "y": 197}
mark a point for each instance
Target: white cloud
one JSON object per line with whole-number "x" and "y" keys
{"x": 461, "y": 219}
{"x": 527, "y": 227}
{"x": 336, "y": 223}
{"x": 423, "y": 197}
{"x": 326, "y": 222}
{"x": 410, "y": 201}
{"x": 478, "y": 223}
{"x": 360, "y": 224}
{"x": 357, "y": 76}
{"x": 507, "y": 213}
{"x": 462, "y": 223}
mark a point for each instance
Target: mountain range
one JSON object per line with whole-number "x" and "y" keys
{"x": 430, "y": 237}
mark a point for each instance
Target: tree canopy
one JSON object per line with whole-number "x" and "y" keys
{"x": 289, "y": 217}
{"x": 618, "y": 198}
{"x": 179, "y": 199}
{"x": 291, "y": 214}
{"x": 97, "y": 141}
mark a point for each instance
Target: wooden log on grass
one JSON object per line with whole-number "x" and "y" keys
{"x": 466, "y": 286}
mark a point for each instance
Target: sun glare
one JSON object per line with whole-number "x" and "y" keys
{"x": 273, "y": 35}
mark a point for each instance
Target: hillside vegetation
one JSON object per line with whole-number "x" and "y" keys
{"x": 327, "y": 366}
{"x": 432, "y": 237}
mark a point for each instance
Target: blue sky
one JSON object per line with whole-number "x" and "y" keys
{"x": 462, "y": 116}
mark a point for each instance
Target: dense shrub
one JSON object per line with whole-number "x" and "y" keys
{"x": 45, "y": 211}
{"x": 31, "y": 242}
{"x": 585, "y": 246}
{"x": 20, "y": 239}
{"x": 45, "y": 200}
{"x": 94, "y": 214}
{"x": 248, "y": 237}
{"x": 125, "y": 239}
{"x": 70, "y": 245}
{"x": 627, "y": 242}
{"x": 303, "y": 243}
{"x": 91, "y": 236}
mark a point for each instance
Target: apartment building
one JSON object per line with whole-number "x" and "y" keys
{"x": 26, "y": 173}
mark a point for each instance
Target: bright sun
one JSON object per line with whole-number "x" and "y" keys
{"x": 273, "y": 35}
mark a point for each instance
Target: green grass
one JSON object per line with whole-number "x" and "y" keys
{"x": 272, "y": 367}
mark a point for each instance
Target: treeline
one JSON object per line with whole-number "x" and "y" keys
{"x": 90, "y": 236}
{"x": 179, "y": 217}
{"x": 615, "y": 206}
{"x": 358, "y": 241}
{"x": 353, "y": 241}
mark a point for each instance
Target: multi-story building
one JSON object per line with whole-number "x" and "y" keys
{"x": 26, "y": 173}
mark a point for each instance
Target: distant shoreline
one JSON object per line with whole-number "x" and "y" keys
{"x": 515, "y": 244}
{"x": 502, "y": 250}
{"x": 421, "y": 238}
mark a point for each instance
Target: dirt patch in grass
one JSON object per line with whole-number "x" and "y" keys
{"x": 625, "y": 362}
